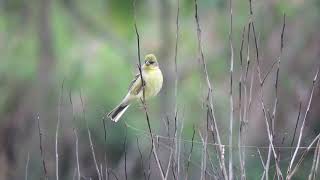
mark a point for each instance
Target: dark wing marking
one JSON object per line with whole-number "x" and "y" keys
{"x": 133, "y": 81}
{"x": 135, "y": 86}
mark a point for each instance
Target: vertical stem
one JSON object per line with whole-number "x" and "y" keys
{"x": 27, "y": 167}
{"x": 57, "y": 132}
{"x": 209, "y": 98}
{"x": 231, "y": 99}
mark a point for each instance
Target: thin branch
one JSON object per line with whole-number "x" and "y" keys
{"x": 175, "y": 140}
{"x": 147, "y": 135}
{"x": 169, "y": 164}
{"x": 179, "y": 147}
{"x": 209, "y": 99}
{"x": 158, "y": 162}
{"x": 141, "y": 158}
{"x": 296, "y": 126}
{"x": 77, "y": 153}
{"x": 190, "y": 154}
{"x": 263, "y": 164}
{"x": 204, "y": 155}
{"x": 125, "y": 153}
{"x": 57, "y": 131}
{"x": 138, "y": 49}
{"x": 231, "y": 99}
{"x": 248, "y": 51}
{"x": 76, "y": 137}
{"x": 303, "y": 124}
{"x": 27, "y": 167}
{"x": 289, "y": 176}
{"x": 176, "y": 55}
{"x": 90, "y": 139}
{"x": 113, "y": 173}
{"x": 270, "y": 136}
{"x": 241, "y": 122}
{"x": 315, "y": 161}
{"x": 142, "y": 81}
{"x": 41, "y": 149}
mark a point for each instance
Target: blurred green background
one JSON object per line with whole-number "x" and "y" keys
{"x": 90, "y": 47}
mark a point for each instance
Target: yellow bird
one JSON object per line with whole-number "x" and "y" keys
{"x": 153, "y": 79}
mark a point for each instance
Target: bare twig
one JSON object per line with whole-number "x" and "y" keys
{"x": 27, "y": 167}
{"x": 179, "y": 148}
{"x": 297, "y": 122}
{"x": 241, "y": 121}
{"x": 113, "y": 173}
{"x": 76, "y": 137}
{"x": 177, "y": 143}
{"x": 143, "y": 84}
{"x": 125, "y": 153}
{"x": 204, "y": 155}
{"x": 41, "y": 149}
{"x": 141, "y": 158}
{"x": 289, "y": 173}
{"x": 315, "y": 162}
{"x": 57, "y": 131}
{"x": 90, "y": 139}
{"x": 77, "y": 154}
{"x": 231, "y": 99}
{"x": 138, "y": 43}
{"x": 269, "y": 132}
{"x": 190, "y": 154}
{"x": 168, "y": 166}
{"x": 263, "y": 164}
{"x": 289, "y": 176}
{"x": 176, "y": 54}
{"x": 147, "y": 135}
{"x": 158, "y": 162}
{"x": 209, "y": 99}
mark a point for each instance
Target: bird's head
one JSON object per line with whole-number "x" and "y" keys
{"x": 150, "y": 61}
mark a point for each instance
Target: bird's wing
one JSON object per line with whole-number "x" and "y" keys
{"x": 135, "y": 86}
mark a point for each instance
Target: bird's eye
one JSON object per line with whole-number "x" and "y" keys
{"x": 151, "y": 62}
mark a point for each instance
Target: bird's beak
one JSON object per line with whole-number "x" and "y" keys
{"x": 147, "y": 63}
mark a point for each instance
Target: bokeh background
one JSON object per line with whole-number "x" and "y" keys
{"x": 90, "y": 48}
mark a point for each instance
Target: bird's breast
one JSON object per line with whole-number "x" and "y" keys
{"x": 154, "y": 80}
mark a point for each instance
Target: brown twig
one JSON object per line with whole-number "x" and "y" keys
{"x": 76, "y": 137}
{"x": 204, "y": 155}
{"x": 262, "y": 162}
{"x": 143, "y": 82}
{"x": 27, "y": 167}
{"x": 269, "y": 132}
{"x": 90, "y": 139}
{"x": 209, "y": 99}
{"x": 231, "y": 99}
{"x": 158, "y": 162}
{"x": 241, "y": 121}
{"x": 113, "y": 173}
{"x": 141, "y": 158}
{"x": 41, "y": 149}
{"x": 289, "y": 176}
{"x": 57, "y": 131}
{"x": 190, "y": 154}
{"x": 296, "y": 126}
{"x": 177, "y": 143}
{"x": 289, "y": 173}
{"x": 315, "y": 162}
{"x": 176, "y": 55}
{"x": 125, "y": 153}
{"x": 138, "y": 49}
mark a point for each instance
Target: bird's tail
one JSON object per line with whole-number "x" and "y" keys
{"x": 118, "y": 111}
